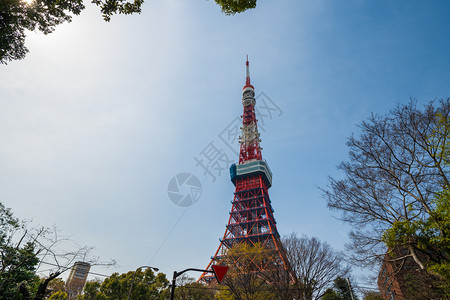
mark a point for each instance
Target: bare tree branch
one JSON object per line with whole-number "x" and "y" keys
{"x": 396, "y": 167}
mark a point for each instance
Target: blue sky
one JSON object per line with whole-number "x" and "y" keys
{"x": 98, "y": 117}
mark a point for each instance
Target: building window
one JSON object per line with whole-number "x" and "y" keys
{"x": 386, "y": 281}
{"x": 383, "y": 271}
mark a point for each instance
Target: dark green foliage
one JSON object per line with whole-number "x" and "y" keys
{"x": 430, "y": 235}
{"x": 344, "y": 288}
{"x": 17, "y": 257}
{"x": 231, "y": 7}
{"x": 112, "y": 7}
{"x": 341, "y": 290}
{"x": 440, "y": 264}
{"x": 146, "y": 285}
{"x": 19, "y": 266}
{"x": 59, "y": 295}
{"x": 56, "y": 285}
{"x": 16, "y": 16}
{"x": 91, "y": 290}
{"x": 21, "y": 249}
{"x": 331, "y": 294}
{"x": 7, "y": 222}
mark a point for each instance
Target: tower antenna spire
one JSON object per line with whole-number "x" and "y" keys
{"x": 247, "y": 79}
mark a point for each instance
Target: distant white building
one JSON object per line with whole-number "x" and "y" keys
{"x": 77, "y": 278}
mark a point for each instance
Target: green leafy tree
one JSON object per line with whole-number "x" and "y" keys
{"x": 21, "y": 250}
{"x": 92, "y": 291}
{"x": 59, "y": 295}
{"x": 344, "y": 288}
{"x": 437, "y": 226}
{"x": 56, "y": 285}
{"x": 146, "y": 285}
{"x": 224, "y": 294}
{"x": 231, "y": 7}
{"x": 16, "y": 16}
{"x": 430, "y": 234}
{"x": 331, "y": 294}
{"x": 438, "y": 233}
{"x": 394, "y": 193}
{"x": 18, "y": 259}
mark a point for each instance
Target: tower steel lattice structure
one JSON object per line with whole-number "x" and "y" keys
{"x": 251, "y": 218}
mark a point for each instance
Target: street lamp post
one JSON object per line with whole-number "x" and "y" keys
{"x": 134, "y": 276}
{"x": 176, "y": 274}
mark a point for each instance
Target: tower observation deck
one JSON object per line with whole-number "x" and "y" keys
{"x": 251, "y": 219}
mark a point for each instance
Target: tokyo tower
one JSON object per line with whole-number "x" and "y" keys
{"x": 251, "y": 218}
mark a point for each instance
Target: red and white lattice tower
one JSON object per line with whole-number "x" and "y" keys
{"x": 251, "y": 218}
